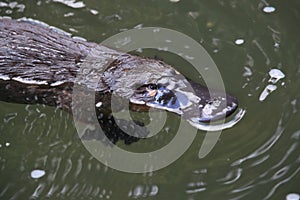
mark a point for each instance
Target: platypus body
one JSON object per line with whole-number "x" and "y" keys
{"x": 40, "y": 64}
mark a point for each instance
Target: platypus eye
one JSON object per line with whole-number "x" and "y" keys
{"x": 151, "y": 90}
{"x": 152, "y": 86}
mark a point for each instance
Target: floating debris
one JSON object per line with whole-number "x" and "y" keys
{"x": 239, "y": 41}
{"x": 71, "y": 3}
{"x": 269, "y": 9}
{"x": 37, "y": 173}
{"x": 268, "y": 90}
{"x": 174, "y": 1}
{"x": 276, "y": 75}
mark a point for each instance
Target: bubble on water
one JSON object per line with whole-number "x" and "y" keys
{"x": 269, "y": 9}
{"x": 275, "y": 75}
{"x": 292, "y": 196}
{"x": 239, "y": 41}
{"x": 37, "y": 173}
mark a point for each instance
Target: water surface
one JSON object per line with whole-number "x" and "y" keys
{"x": 41, "y": 156}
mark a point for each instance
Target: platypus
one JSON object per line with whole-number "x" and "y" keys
{"x": 40, "y": 64}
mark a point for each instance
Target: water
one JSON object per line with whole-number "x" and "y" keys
{"x": 256, "y": 159}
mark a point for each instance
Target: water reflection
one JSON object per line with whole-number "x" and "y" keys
{"x": 143, "y": 191}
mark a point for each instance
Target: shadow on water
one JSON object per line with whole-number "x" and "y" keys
{"x": 42, "y": 157}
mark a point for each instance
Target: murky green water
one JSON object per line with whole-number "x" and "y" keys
{"x": 256, "y": 159}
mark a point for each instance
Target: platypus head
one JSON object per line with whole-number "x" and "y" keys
{"x": 154, "y": 84}
{"x": 191, "y": 100}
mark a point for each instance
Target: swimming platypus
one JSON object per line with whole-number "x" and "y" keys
{"x": 40, "y": 64}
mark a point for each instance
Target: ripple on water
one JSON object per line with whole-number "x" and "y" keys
{"x": 264, "y": 148}
{"x": 196, "y": 187}
{"x": 232, "y": 176}
{"x": 143, "y": 191}
{"x": 283, "y": 164}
